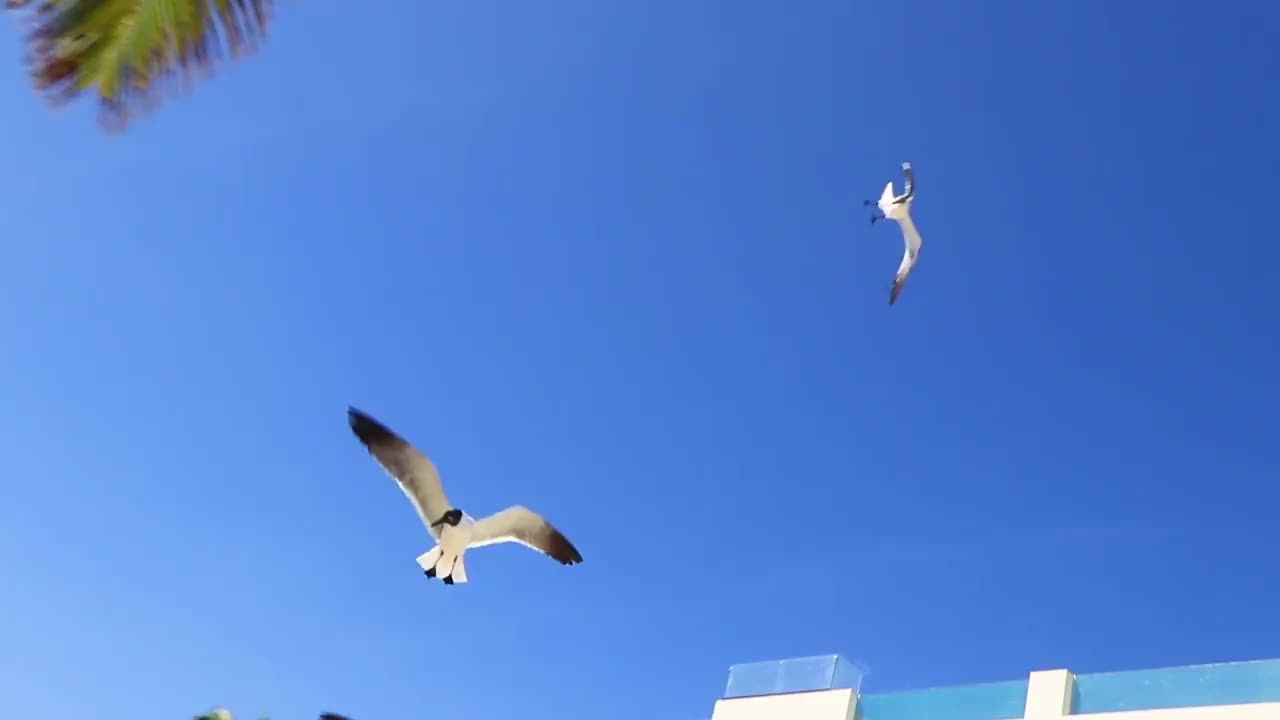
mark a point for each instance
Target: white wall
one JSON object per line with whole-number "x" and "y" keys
{"x": 816, "y": 705}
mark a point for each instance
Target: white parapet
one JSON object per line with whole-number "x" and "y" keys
{"x": 838, "y": 704}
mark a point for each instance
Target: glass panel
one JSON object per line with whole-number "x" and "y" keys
{"x": 992, "y": 701}
{"x": 1225, "y": 684}
{"x": 821, "y": 672}
{"x": 1197, "y": 685}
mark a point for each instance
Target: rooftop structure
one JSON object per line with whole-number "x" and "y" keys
{"x": 828, "y": 687}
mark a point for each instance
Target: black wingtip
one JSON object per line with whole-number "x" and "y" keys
{"x": 563, "y": 551}
{"x": 896, "y": 290}
{"x": 366, "y": 428}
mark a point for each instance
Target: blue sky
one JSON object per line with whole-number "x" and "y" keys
{"x": 609, "y": 260}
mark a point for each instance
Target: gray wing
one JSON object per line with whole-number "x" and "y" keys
{"x": 411, "y": 469}
{"x": 521, "y": 525}
{"x": 909, "y": 179}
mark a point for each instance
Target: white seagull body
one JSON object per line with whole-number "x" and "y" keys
{"x": 898, "y": 208}
{"x": 454, "y": 530}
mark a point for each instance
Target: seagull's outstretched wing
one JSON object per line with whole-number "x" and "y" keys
{"x": 521, "y": 525}
{"x": 911, "y": 238}
{"x": 909, "y": 178}
{"x": 411, "y": 469}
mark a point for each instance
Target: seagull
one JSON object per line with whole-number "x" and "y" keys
{"x": 453, "y": 529}
{"x": 898, "y": 207}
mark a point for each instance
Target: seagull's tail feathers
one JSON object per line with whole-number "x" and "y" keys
{"x": 428, "y": 560}
{"x": 459, "y": 572}
{"x": 434, "y": 565}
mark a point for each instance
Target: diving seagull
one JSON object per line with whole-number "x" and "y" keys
{"x": 453, "y": 529}
{"x": 898, "y": 207}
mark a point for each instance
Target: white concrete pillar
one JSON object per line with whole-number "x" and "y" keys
{"x": 1049, "y": 695}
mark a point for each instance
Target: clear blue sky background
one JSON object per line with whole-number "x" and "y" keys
{"x": 609, "y": 259}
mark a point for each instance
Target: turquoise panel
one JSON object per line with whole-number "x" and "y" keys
{"x": 991, "y": 701}
{"x": 1195, "y": 685}
{"x": 1192, "y": 686}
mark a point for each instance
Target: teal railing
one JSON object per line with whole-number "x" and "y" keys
{"x": 1197, "y": 685}
{"x": 990, "y": 701}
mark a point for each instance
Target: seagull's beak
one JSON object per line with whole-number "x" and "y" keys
{"x": 438, "y": 523}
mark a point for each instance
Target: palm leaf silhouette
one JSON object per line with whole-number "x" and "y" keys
{"x": 132, "y": 52}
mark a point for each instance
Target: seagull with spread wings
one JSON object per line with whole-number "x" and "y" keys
{"x": 453, "y": 529}
{"x": 898, "y": 207}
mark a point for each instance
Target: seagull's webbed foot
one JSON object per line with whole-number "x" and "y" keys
{"x": 448, "y": 579}
{"x": 430, "y": 573}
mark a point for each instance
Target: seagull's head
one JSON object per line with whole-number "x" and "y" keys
{"x": 452, "y": 518}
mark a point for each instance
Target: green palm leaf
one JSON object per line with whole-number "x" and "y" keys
{"x": 134, "y": 51}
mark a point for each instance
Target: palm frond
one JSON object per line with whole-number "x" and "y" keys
{"x": 134, "y": 51}
{"x": 224, "y": 714}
